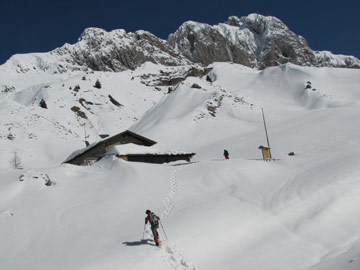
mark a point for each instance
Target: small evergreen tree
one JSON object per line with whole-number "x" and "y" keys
{"x": 97, "y": 84}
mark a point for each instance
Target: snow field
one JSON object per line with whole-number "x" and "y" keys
{"x": 294, "y": 213}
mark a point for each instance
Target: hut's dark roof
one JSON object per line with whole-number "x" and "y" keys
{"x": 263, "y": 147}
{"x": 116, "y": 139}
{"x": 146, "y": 141}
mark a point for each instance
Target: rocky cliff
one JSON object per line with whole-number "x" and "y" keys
{"x": 255, "y": 41}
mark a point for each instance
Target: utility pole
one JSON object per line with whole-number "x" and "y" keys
{"x": 267, "y": 137}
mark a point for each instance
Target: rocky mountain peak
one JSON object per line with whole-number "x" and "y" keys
{"x": 257, "y": 23}
{"x": 255, "y": 41}
{"x": 92, "y": 33}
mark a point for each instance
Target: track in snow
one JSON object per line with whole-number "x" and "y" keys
{"x": 171, "y": 254}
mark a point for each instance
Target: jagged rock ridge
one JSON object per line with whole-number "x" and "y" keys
{"x": 118, "y": 50}
{"x": 255, "y": 41}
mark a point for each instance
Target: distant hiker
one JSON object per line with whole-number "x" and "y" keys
{"x": 154, "y": 222}
{"x": 226, "y": 154}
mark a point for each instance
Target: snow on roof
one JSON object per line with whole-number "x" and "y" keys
{"x": 134, "y": 149}
{"x": 80, "y": 151}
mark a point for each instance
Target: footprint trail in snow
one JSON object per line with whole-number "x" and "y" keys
{"x": 171, "y": 254}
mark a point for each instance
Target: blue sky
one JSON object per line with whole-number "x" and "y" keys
{"x": 41, "y": 26}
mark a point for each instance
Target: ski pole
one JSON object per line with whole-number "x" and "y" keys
{"x": 144, "y": 232}
{"x": 162, "y": 227}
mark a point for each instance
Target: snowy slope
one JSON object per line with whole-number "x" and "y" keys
{"x": 298, "y": 212}
{"x": 71, "y": 113}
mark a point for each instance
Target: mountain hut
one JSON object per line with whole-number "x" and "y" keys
{"x": 138, "y": 149}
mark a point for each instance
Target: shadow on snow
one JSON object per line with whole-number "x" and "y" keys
{"x": 138, "y": 243}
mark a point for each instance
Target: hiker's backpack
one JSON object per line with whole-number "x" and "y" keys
{"x": 154, "y": 220}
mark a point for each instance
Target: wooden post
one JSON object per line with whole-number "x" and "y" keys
{"x": 267, "y": 137}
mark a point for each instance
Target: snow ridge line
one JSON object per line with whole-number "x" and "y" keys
{"x": 171, "y": 255}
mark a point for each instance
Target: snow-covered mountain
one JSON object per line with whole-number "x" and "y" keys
{"x": 298, "y": 212}
{"x": 254, "y": 41}
{"x": 100, "y": 50}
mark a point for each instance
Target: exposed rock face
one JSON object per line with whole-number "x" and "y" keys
{"x": 275, "y": 43}
{"x": 118, "y": 50}
{"x": 175, "y": 76}
{"x": 205, "y": 44}
{"x": 254, "y": 41}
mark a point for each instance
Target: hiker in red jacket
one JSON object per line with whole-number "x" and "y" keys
{"x": 154, "y": 222}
